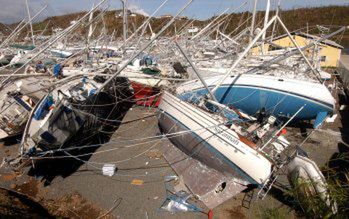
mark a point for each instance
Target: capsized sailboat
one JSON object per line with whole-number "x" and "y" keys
{"x": 255, "y": 150}
{"x": 73, "y": 109}
{"x": 220, "y": 144}
{"x": 253, "y": 94}
{"x": 17, "y": 100}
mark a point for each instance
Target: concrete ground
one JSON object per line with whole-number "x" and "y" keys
{"x": 137, "y": 189}
{"x": 345, "y": 59}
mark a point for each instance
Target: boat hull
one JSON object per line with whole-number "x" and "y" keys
{"x": 279, "y": 97}
{"x": 146, "y": 95}
{"x": 205, "y": 139}
{"x": 16, "y": 102}
{"x": 62, "y": 121}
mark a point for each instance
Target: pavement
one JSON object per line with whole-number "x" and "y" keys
{"x": 345, "y": 60}
{"x": 137, "y": 189}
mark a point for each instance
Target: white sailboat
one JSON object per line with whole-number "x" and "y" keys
{"x": 17, "y": 100}
{"x": 212, "y": 141}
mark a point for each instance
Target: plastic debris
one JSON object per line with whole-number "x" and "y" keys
{"x": 343, "y": 107}
{"x": 170, "y": 178}
{"x": 108, "y": 169}
{"x": 331, "y": 119}
{"x": 178, "y": 203}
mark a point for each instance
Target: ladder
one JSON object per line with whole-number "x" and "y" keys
{"x": 266, "y": 186}
{"x": 268, "y": 183}
{"x": 246, "y": 202}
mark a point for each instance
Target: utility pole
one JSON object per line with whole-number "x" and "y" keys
{"x": 30, "y": 23}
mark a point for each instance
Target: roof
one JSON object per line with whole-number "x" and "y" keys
{"x": 310, "y": 36}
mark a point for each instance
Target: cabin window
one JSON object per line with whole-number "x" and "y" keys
{"x": 323, "y": 58}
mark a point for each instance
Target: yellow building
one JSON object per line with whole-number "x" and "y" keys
{"x": 329, "y": 55}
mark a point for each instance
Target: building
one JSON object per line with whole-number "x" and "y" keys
{"x": 329, "y": 51}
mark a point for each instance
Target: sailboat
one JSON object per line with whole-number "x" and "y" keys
{"x": 275, "y": 93}
{"x": 17, "y": 100}
{"x": 213, "y": 141}
{"x": 228, "y": 141}
{"x": 77, "y": 106}
{"x": 253, "y": 94}
{"x": 72, "y": 109}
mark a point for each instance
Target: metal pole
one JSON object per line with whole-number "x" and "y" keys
{"x": 146, "y": 46}
{"x": 20, "y": 29}
{"x": 294, "y": 115}
{"x": 208, "y": 25}
{"x": 242, "y": 55}
{"x": 124, "y": 24}
{"x": 13, "y": 32}
{"x": 30, "y": 23}
{"x": 196, "y": 72}
{"x": 219, "y": 22}
{"x": 266, "y": 17}
{"x": 277, "y": 13}
{"x": 293, "y": 52}
{"x": 90, "y": 30}
{"x": 144, "y": 23}
{"x": 54, "y": 41}
{"x": 253, "y": 19}
{"x": 299, "y": 49}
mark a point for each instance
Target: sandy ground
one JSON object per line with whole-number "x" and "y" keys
{"x": 137, "y": 190}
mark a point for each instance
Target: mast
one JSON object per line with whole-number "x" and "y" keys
{"x": 146, "y": 46}
{"x": 20, "y": 28}
{"x": 30, "y": 22}
{"x": 196, "y": 72}
{"x": 253, "y": 19}
{"x": 277, "y": 13}
{"x": 90, "y": 31}
{"x": 242, "y": 55}
{"x": 208, "y": 25}
{"x": 124, "y": 24}
{"x": 144, "y": 24}
{"x": 218, "y": 21}
{"x": 53, "y": 40}
{"x": 266, "y": 17}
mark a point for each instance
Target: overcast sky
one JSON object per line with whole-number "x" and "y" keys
{"x": 15, "y": 10}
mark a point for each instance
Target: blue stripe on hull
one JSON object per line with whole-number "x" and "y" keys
{"x": 251, "y": 99}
